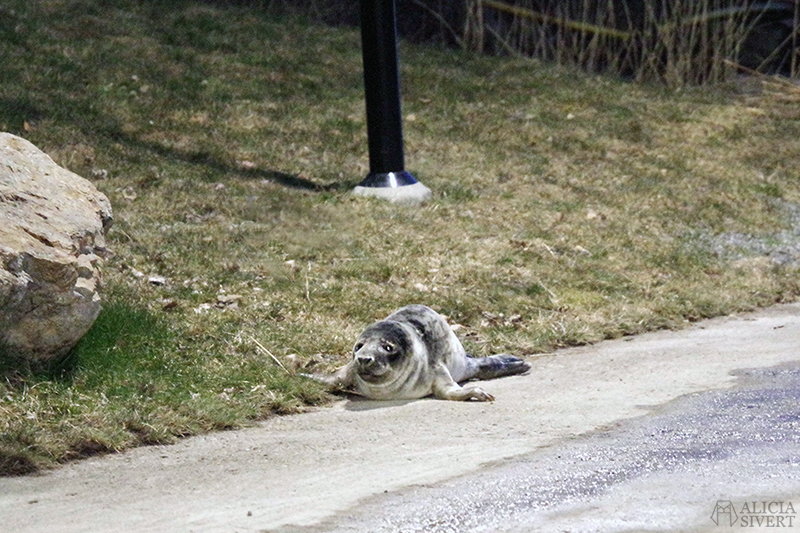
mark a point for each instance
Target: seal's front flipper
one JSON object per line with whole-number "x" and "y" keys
{"x": 342, "y": 379}
{"x": 445, "y": 388}
{"x": 496, "y": 366}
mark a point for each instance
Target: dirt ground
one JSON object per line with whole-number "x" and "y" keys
{"x": 303, "y": 470}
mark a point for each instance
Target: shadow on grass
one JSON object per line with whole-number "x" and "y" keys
{"x": 122, "y": 345}
{"x": 206, "y": 160}
{"x": 63, "y": 87}
{"x": 14, "y": 463}
{"x": 118, "y": 325}
{"x": 15, "y": 112}
{"x": 18, "y": 371}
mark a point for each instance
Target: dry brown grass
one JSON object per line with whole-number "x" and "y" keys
{"x": 677, "y": 43}
{"x": 567, "y": 209}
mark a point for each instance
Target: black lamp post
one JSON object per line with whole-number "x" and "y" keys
{"x": 387, "y": 176}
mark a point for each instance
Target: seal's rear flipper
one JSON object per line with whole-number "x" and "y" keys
{"x": 445, "y": 388}
{"x": 496, "y": 366}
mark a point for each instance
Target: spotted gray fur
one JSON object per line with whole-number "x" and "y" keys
{"x": 414, "y": 353}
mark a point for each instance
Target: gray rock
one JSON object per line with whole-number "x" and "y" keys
{"x": 52, "y": 239}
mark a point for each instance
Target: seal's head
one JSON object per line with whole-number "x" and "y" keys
{"x": 382, "y": 352}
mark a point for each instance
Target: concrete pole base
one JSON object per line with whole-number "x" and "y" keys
{"x": 413, "y": 194}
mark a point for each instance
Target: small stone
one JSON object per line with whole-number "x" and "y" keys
{"x": 129, "y": 194}
{"x": 228, "y": 300}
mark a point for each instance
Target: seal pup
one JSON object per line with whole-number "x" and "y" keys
{"x": 413, "y": 353}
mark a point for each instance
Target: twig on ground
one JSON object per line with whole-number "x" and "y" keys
{"x": 269, "y": 353}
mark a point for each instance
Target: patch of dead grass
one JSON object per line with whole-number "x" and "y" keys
{"x": 567, "y": 209}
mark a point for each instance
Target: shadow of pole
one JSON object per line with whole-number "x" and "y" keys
{"x": 202, "y": 158}
{"x": 14, "y": 111}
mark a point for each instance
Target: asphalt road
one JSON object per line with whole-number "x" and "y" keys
{"x": 675, "y": 469}
{"x": 696, "y": 430}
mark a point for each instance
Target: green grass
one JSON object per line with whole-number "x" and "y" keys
{"x": 567, "y": 209}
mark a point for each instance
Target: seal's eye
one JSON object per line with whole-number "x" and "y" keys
{"x": 358, "y": 346}
{"x": 388, "y": 347}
